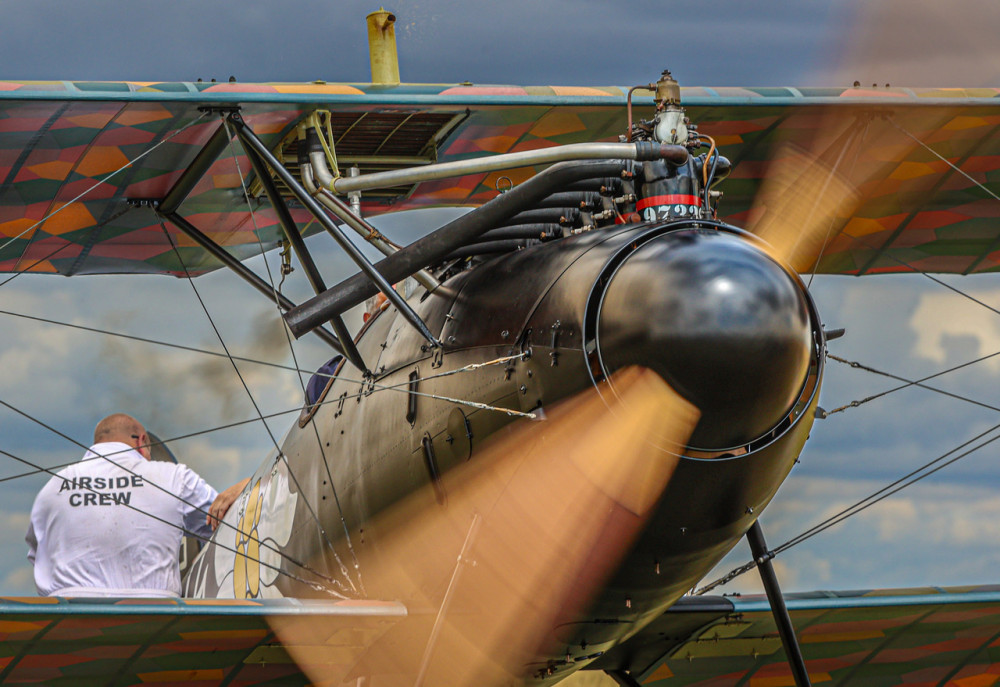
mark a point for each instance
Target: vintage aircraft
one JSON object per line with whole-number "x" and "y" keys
{"x": 576, "y": 398}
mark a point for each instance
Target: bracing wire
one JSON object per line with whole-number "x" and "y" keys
{"x": 319, "y": 442}
{"x": 908, "y": 383}
{"x": 67, "y": 244}
{"x": 857, "y": 141}
{"x": 945, "y": 160}
{"x": 51, "y": 254}
{"x": 402, "y": 386}
{"x": 104, "y": 180}
{"x": 895, "y": 487}
{"x": 253, "y": 401}
{"x": 928, "y": 468}
{"x": 296, "y": 409}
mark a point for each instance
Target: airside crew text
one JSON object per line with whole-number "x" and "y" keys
{"x": 85, "y": 494}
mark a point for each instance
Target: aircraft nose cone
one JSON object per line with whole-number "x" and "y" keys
{"x": 725, "y": 325}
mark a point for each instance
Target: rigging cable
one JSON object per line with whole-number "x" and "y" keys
{"x": 857, "y": 141}
{"x": 909, "y": 383}
{"x": 55, "y": 252}
{"x": 913, "y": 476}
{"x": 895, "y": 487}
{"x": 253, "y": 401}
{"x": 319, "y": 441}
{"x": 296, "y": 409}
{"x": 102, "y": 181}
{"x": 945, "y": 160}
{"x": 67, "y": 244}
{"x": 289, "y": 368}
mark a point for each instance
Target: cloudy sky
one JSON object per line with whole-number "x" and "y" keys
{"x": 943, "y": 531}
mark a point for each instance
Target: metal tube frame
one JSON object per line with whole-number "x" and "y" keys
{"x": 205, "y": 158}
{"x": 291, "y": 231}
{"x": 316, "y": 177}
{"x": 494, "y": 163}
{"x": 755, "y": 537}
{"x": 178, "y": 193}
{"x": 250, "y": 141}
{"x": 241, "y": 270}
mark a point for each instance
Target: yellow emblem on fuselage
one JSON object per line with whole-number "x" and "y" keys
{"x": 246, "y": 571}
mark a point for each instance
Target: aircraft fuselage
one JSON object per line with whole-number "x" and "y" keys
{"x": 700, "y": 303}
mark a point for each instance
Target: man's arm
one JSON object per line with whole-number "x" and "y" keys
{"x": 220, "y": 506}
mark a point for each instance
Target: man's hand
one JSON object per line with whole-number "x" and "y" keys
{"x": 220, "y": 506}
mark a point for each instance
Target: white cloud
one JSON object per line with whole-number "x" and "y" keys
{"x": 893, "y": 518}
{"x": 931, "y": 534}
{"x": 942, "y": 318}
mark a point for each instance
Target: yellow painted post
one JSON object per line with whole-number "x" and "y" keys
{"x": 382, "y": 47}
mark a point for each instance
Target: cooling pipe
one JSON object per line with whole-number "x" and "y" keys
{"x": 488, "y": 248}
{"x": 638, "y": 150}
{"x": 584, "y": 200}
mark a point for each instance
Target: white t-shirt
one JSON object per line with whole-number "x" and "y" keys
{"x": 85, "y": 540}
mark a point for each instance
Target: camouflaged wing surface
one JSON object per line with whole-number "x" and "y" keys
{"x": 81, "y": 642}
{"x": 946, "y": 637}
{"x": 933, "y": 637}
{"x": 61, "y": 212}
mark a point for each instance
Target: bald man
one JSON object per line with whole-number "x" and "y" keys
{"x": 112, "y": 524}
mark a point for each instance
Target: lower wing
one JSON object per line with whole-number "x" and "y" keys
{"x": 888, "y": 637}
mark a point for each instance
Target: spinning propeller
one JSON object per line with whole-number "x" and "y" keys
{"x": 535, "y": 522}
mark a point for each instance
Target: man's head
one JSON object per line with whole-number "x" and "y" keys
{"x": 123, "y": 428}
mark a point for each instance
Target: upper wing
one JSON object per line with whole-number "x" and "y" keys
{"x": 895, "y": 637}
{"x": 78, "y": 159}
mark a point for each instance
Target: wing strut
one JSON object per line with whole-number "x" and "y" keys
{"x": 755, "y": 537}
{"x": 251, "y": 142}
{"x": 167, "y": 208}
{"x": 205, "y": 158}
{"x": 241, "y": 270}
{"x": 305, "y": 258}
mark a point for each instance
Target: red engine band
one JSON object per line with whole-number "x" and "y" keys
{"x": 669, "y": 206}
{"x": 669, "y": 199}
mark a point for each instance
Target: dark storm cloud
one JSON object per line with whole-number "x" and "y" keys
{"x": 556, "y": 42}
{"x": 571, "y": 42}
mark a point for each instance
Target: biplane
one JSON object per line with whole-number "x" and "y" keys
{"x": 566, "y": 405}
